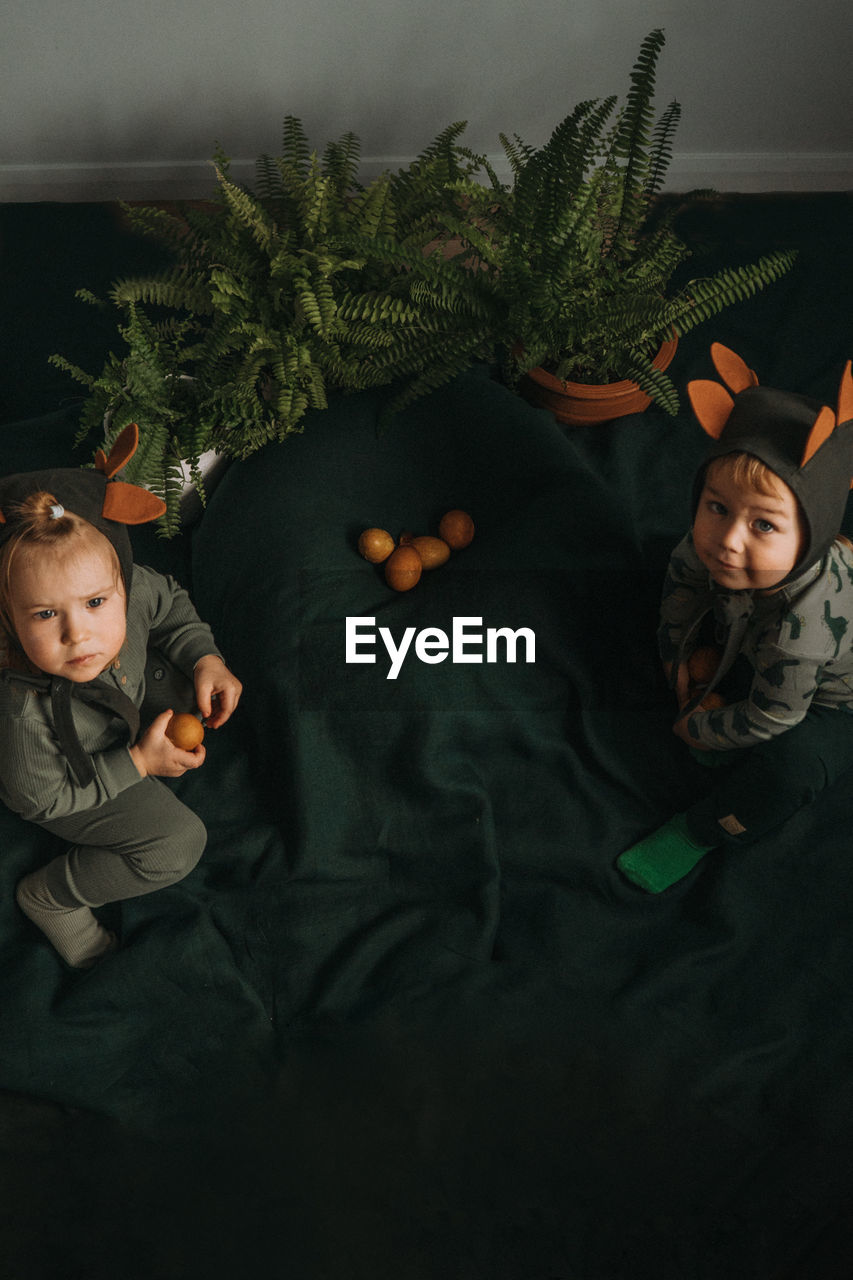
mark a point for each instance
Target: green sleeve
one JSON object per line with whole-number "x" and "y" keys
{"x": 174, "y": 626}
{"x": 37, "y": 782}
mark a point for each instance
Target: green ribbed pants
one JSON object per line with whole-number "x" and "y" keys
{"x": 141, "y": 840}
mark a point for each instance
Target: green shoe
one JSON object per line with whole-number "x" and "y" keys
{"x": 663, "y": 858}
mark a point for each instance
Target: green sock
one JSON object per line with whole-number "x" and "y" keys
{"x": 664, "y": 857}
{"x": 75, "y": 933}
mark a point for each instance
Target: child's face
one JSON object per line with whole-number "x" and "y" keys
{"x": 747, "y": 540}
{"x": 68, "y": 611}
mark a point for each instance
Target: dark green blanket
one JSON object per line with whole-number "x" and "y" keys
{"x": 405, "y": 1019}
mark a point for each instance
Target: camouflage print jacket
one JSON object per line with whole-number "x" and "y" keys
{"x": 798, "y": 641}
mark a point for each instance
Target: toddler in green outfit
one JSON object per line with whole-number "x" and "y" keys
{"x": 77, "y": 623}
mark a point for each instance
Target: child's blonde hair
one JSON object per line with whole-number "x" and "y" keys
{"x": 41, "y": 523}
{"x": 747, "y": 472}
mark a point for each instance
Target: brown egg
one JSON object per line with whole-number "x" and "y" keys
{"x": 185, "y": 731}
{"x": 702, "y": 664}
{"x": 403, "y": 569}
{"x": 456, "y": 528}
{"x": 375, "y": 545}
{"x": 432, "y": 551}
{"x": 711, "y": 702}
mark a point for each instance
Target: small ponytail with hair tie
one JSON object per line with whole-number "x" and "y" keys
{"x": 41, "y": 515}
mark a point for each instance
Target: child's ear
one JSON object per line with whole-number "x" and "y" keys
{"x": 733, "y": 370}
{"x": 712, "y": 405}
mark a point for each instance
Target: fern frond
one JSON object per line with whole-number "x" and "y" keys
{"x": 373, "y": 211}
{"x": 632, "y": 138}
{"x": 318, "y": 305}
{"x": 86, "y": 295}
{"x": 294, "y": 144}
{"x": 631, "y": 142}
{"x": 661, "y": 148}
{"x": 703, "y": 298}
{"x": 543, "y": 199}
{"x": 341, "y": 162}
{"x": 315, "y": 204}
{"x": 655, "y": 382}
{"x": 267, "y": 180}
{"x": 79, "y": 375}
{"x": 221, "y": 160}
{"x": 157, "y": 224}
{"x": 173, "y": 288}
{"x": 429, "y": 378}
{"x": 439, "y": 163}
{"x": 249, "y": 212}
{"x": 517, "y": 152}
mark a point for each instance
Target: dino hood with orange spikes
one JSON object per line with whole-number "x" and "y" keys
{"x": 808, "y": 445}
{"x": 94, "y": 494}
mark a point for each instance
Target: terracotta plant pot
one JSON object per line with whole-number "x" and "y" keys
{"x": 582, "y": 404}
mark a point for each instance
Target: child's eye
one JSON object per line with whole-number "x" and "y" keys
{"x": 764, "y": 526}
{"x": 45, "y": 614}
{"x": 717, "y": 507}
{"x": 95, "y": 602}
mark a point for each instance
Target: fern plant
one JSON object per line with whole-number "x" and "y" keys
{"x": 310, "y": 282}
{"x": 149, "y": 385}
{"x": 581, "y": 255}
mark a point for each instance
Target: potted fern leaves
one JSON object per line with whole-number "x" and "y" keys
{"x": 312, "y": 282}
{"x": 583, "y": 257}
{"x": 276, "y": 296}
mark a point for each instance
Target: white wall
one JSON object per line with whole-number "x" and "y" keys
{"x": 105, "y": 98}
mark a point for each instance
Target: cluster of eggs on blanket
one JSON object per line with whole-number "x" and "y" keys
{"x": 407, "y": 559}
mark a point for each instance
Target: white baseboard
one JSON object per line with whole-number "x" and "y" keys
{"x": 195, "y": 179}
{"x": 757, "y": 171}
{"x": 131, "y": 180}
